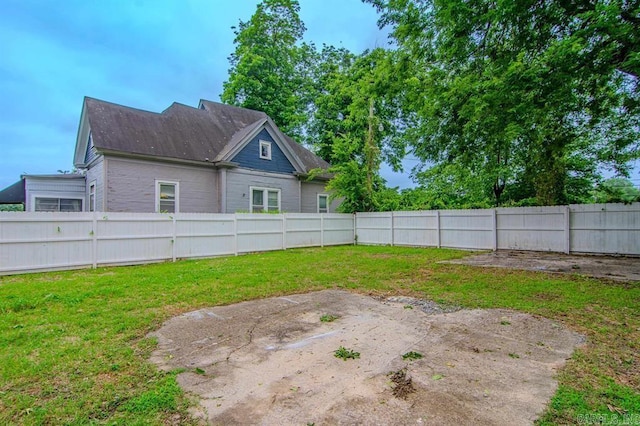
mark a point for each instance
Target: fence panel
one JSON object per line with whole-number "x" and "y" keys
{"x": 45, "y": 241}
{"x": 128, "y": 238}
{"x": 259, "y": 232}
{"x": 531, "y": 228}
{"x": 338, "y": 229}
{"x": 467, "y": 229}
{"x": 373, "y": 228}
{"x": 303, "y": 230}
{"x": 416, "y": 228}
{"x": 606, "y": 228}
{"x": 204, "y": 235}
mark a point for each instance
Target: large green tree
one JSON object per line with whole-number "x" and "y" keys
{"x": 528, "y": 95}
{"x": 353, "y": 123}
{"x": 270, "y": 68}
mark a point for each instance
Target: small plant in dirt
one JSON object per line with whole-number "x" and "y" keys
{"x": 346, "y": 354}
{"x": 328, "y": 318}
{"x": 514, "y": 355}
{"x": 403, "y": 385}
{"x": 412, "y": 356}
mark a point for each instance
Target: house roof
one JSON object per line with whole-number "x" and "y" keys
{"x": 181, "y": 132}
{"x": 13, "y": 194}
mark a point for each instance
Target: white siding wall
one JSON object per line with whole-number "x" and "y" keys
{"x": 131, "y": 186}
{"x": 310, "y": 191}
{"x": 238, "y": 195}
{"x": 46, "y": 187}
{"x": 96, "y": 173}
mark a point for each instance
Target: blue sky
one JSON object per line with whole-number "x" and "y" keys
{"x": 140, "y": 53}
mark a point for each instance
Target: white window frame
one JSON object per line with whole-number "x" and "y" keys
{"x": 266, "y": 144}
{"x": 177, "y": 196}
{"x": 92, "y": 196}
{"x": 265, "y": 198}
{"x": 327, "y": 203}
{"x": 56, "y": 197}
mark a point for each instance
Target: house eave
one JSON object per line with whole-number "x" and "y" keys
{"x": 203, "y": 163}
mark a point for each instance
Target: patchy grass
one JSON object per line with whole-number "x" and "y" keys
{"x": 73, "y": 348}
{"x": 328, "y": 318}
{"x": 411, "y": 356}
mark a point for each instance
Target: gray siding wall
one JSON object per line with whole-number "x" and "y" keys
{"x": 96, "y": 172}
{"x": 249, "y": 156}
{"x": 46, "y": 187}
{"x": 239, "y": 182}
{"x": 131, "y": 186}
{"x": 310, "y": 191}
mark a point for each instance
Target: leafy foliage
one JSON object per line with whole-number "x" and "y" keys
{"x": 11, "y": 207}
{"x": 345, "y": 354}
{"x": 521, "y": 94}
{"x": 269, "y": 66}
{"x": 616, "y": 190}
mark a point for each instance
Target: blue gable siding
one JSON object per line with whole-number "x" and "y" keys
{"x": 249, "y": 156}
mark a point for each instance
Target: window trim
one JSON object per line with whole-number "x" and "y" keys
{"x": 177, "y": 196}
{"x": 266, "y": 144}
{"x": 36, "y": 196}
{"x": 318, "y": 202}
{"x": 92, "y": 196}
{"x": 265, "y": 198}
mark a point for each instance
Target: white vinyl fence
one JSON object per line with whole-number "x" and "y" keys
{"x": 32, "y": 242}
{"x": 582, "y": 228}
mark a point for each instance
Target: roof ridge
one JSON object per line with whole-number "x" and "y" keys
{"x": 232, "y": 106}
{"x": 120, "y": 105}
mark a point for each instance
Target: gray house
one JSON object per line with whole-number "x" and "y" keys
{"x": 212, "y": 159}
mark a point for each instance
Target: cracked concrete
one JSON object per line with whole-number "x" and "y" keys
{"x": 272, "y": 361}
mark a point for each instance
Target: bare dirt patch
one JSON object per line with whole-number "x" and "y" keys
{"x": 611, "y": 267}
{"x": 272, "y": 361}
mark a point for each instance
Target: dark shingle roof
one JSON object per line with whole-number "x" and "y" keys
{"x": 13, "y": 194}
{"x": 179, "y": 132}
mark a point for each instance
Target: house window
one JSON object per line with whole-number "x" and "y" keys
{"x": 323, "y": 203}
{"x": 167, "y": 197}
{"x": 265, "y": 200}
{"x": 58, "y": 204}
{"x": 92, "y": 196}
{"x": 265, "y": 150}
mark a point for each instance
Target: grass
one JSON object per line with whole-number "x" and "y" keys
{"x": 73, "y": 348}
{"x": 345, "y": 354}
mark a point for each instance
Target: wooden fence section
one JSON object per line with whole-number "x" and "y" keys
{"x": 584, "y": 228}
{"x": 31, "y": 242}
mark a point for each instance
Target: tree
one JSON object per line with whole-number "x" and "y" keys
{"x": 616, "y": 190}
{"x": 520, "y": 93}
{"x": 353, "y": 124}
{"x": 270, "y": 67}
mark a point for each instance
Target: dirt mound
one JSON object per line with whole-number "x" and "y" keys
{"x": 275, "y": 361}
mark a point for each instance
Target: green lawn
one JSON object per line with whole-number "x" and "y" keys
{"x": 73, "y": 347}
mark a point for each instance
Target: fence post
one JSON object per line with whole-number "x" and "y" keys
{"x": 235, "y": 234}
{"x": 284, "y": 231}
{"x": 94, "y": 241}
{"x": 495, "y": 229}
{"x": 355, "y": 229}
{"x": 321, "y": 229}
{"x": 567, "y": 229}
{"x": 438, "y": 228}
{"x": 393, "y": 224}
{"x": 174, "y": 238}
